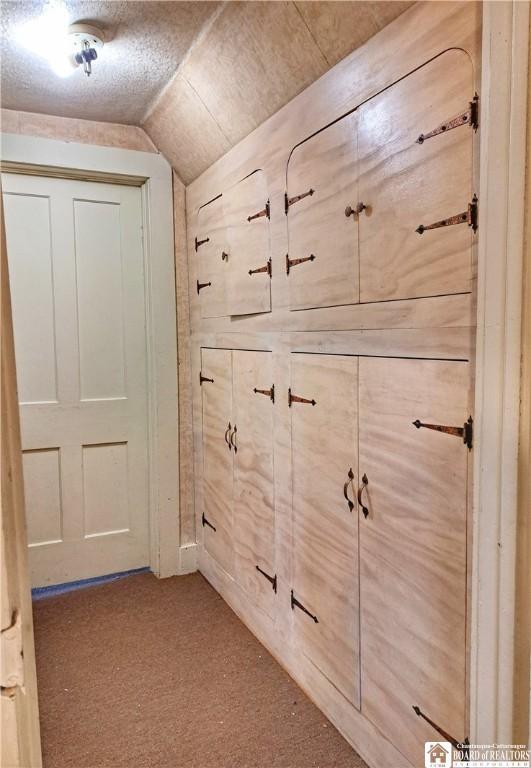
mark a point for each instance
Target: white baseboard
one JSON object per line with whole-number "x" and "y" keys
{"x": 187, "y": 559}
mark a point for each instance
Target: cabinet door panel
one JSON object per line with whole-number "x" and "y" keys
{"x": 413, "y": 548}
{"x": 325, "y": 530}
{"x": 212, "y": 268}
{"x": 217, "y": 458}
{"x": 254, "y": 512}
{"x": 248, "y": 246}
{"x": 406, "y": 184}
{"x": 317, "y": 224}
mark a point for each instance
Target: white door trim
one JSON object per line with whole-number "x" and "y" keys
{"x": 500, "y": 273}
{"x": 153, "y": 171}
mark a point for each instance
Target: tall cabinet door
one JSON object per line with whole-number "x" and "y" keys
{"x": 322, "y": 238}
{"x": 246, "y": 212}
{"x": 218, "y": 456}
{"x": 408, "y": 183}
{"x": 325, "y": 597}
{"x": 413, "y": 548}
{"x": 211, "y": 249}
{"x": 254, "y": 512}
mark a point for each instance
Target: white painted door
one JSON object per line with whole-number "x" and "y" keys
{"x": 76, "y": 269}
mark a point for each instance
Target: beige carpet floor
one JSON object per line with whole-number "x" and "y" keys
{"x": 142, "y": 673}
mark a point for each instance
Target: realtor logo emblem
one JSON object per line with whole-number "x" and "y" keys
{"x": 438, "y": 754}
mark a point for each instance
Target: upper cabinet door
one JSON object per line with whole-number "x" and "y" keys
{"x": 325, "y": 518}
{"x": 246, "y": 212}
{"x": 321, "y": 207}
{"x": 416, "y": 171}
{"x": 218, "y": 452}
{"x": 413, "y": 548}
{"x": 254, "y": 510}
{"x": 212, "y": 262}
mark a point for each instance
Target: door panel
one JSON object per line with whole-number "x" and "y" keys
{"x": 325, "y": 530}
{"x": 406, "y": 184}
{"x": 212, "y": 262}
{"x": 77, "y": 281}
{"x": 254, "y": 511}
{"x": 249, "y": 250}
{"x": 217, "y": 457}
{"x": 317, "y": 224}
{"x": 413, "y": 549}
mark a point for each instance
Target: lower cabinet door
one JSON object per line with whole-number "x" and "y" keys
{"x": 254, "y": 512}
{"x": 325, "y": 597}
{"x": 413, "y": 548}
{"x": 218, "y": 453}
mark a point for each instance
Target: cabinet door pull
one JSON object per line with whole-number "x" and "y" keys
{"x": 224, "y": 256}
{"x": 233, "y": 435}
{"x": 226, "y": 436}
{"x": 364, "y": 484}
{"x": 350, "y": 211}
{"x": 345, "y": 489}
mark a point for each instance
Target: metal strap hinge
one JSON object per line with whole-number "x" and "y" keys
{"x": 469, "y": 117}
{"x": 269, "y": 392}
{"x": 466, "y": 431}
{"x": 204, "y": 378}
{"x": 199, "y": 243}
{"x": 289, "y": 201}
{"x": 265, "y": 268}
{"x": 293, "y": 262}
{"x": 264, "y": 212}
{"x": 202, "y": 285}
{"x": 297, "y": 604}
{"x": 271, "y": 579}
{"x": 296, "y": 399}
{"x": 207, "y": 522}
{"x": 470, "y": 217}
{"x": 446, "y": 736}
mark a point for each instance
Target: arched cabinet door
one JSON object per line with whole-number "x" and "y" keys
{"x": 415, "y": 149}
{"x": 321, "y": 208}
{"x": 210, "y": 253}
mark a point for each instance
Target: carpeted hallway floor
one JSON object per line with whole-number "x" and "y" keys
{"x": 141, "y": 673}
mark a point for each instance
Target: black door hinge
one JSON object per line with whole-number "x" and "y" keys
{"x": 293, "y": 262}
{"x": 446, "y": 736}
{"x": 468, "y": 117}
{"x": 271, "y": 579}
{"x": 264, "y": 212}
{"x": 265, "y": 268}
{"x": 297, "y": 604}
{"x": 296, "y": 399}
{"x": 204, "y": 378}
{"x": 466, "y": 431}
{"x": 470, "y": 217}
{"x": 269, "y": 392}
{"x": 199, "y": 243}
{"x": 202, "y": 285}
{"x": 207, "y": 522}
{"x": 289, "y": 201}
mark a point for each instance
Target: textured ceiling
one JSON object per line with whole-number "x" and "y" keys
{"x": 150, "y": 39}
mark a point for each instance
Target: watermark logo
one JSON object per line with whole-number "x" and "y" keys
{"x": 438, "y": 754}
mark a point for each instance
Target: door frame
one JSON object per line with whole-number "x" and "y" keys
{"x": 153, "y": 175}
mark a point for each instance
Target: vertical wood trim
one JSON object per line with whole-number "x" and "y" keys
{"x": 502, "y": 183}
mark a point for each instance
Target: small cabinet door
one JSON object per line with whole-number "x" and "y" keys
{"x": 413, "y": 548}
{"x": 212, "y": 260}
{"x": 218, "y": 456}
{"x": 325, "y": 523}
{"x": 254, "y": 512}
{"x": 322, "y": 239}
{"x": 246, "y": 212}
{"x": 406, "y": 183}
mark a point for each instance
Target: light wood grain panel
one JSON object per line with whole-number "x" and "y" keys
{"x": 212, "y": 263}
{"x": 254, "y": 498}
{"x": 325, "y": 167}
{"x": 325, "y": 526}
{"x": 405, "y": 184}
{"x": 217, "y": 457}
{"x": 248, "y": 245}
{"x": 413, "y": 549}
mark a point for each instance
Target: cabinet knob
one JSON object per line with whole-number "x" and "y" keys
{"x": 350, "y": 211}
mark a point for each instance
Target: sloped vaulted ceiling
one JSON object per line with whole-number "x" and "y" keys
{"x": 250, "y": 59}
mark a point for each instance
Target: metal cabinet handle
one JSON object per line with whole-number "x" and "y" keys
{"x": 233, "y": 434}
{"x": 364, "y": 484}
{"x": 350, "y": 211}
{"x": 226, "y": 436}
{"x": 345, "y": 488}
